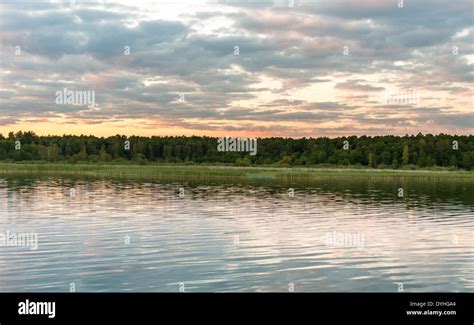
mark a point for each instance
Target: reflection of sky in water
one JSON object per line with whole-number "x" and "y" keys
{"x": 237, "y": 238}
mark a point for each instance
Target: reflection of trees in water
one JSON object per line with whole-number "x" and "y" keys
{"x": 356, "y": 190}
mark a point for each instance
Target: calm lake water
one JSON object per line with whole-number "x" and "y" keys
{"x": 331, "y": 235}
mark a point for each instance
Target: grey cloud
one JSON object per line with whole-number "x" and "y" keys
{"x": 83, "y": 48}
{"x": 357, "y": 85}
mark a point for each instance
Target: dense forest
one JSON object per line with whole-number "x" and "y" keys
{"x": 378, "y": 152}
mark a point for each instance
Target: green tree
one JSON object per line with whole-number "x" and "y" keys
{"x": 422, "y": 150}
{"x": 371, "y": 160}
{"x": 468, "y": 160}
{"x": 53, "y": 152}
{"x": 406, "y": 154}
{"x": 285, "y": 160}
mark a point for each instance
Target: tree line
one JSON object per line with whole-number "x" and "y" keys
{"x": 410, "y": 151}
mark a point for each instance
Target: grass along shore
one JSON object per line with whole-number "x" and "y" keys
{"x": 169, "y": 171}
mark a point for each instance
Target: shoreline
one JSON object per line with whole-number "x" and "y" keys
{"x": 157, "y": 171}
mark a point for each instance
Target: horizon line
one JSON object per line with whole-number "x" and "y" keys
{"x": 6, "y": 135}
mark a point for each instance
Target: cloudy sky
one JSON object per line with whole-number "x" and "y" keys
{"x": 239, "y": 68}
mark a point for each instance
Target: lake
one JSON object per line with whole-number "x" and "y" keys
{"x": 333, "y": 234}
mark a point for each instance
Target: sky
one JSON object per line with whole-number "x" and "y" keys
{"x": 238, "y": 68}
